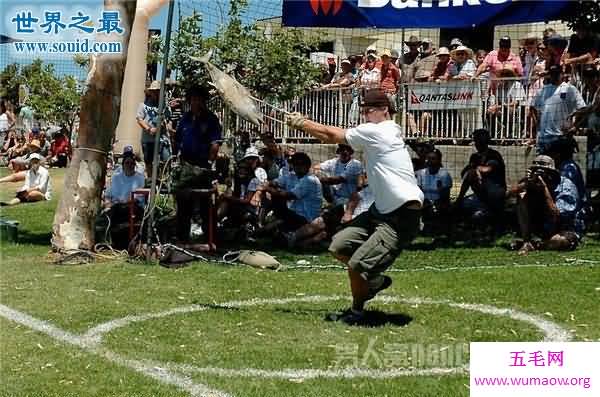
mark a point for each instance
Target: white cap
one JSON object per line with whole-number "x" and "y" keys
{"x": 35, "y": 156}
{"x": 252, "y": 151}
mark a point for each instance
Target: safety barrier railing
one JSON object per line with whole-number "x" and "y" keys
{"x": 442, "y": 111}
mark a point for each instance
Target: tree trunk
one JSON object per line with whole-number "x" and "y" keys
{"x": 74, "y": 219}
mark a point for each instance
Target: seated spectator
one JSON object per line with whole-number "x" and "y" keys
{"x": 461, "y": 67}
{"x": 436, "y": 183}
{"x": 268, "y": 164}
{"x": 117, "y": 197}
{"x": 485, "y": 175}
{"x": 332, "y": 220}
{"x": 37, "y": 186}
{"x": 9, "y": 143}
{"x": 439, "y": 71}
{"x": 60, "y": 150}
{"x": 44, "y": 146}
{"x": 422, "y": 150}
{"x": 19, "y": 149}
{"x": 21, "y": 163}
{"x": 124, "y": 180}
{"x": 239, "y": 208}
{"x": 305, "y": 197}
{"x": 341, "y": 175}
{"x": 548, "y": 205}
{"x": 279, "y": 156}
{"x": 252, "y": 159}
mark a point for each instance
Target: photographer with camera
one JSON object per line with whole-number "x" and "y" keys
{"x": 547, "y": 206}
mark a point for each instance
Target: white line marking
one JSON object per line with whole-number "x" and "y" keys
{"x": 341, "y": 373}
{"x": 162, "y": 375}
{"x": 171, "y": 373}
{"x": 552, "y": 332}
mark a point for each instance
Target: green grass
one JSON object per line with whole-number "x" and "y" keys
{"x": 77, "y": 298}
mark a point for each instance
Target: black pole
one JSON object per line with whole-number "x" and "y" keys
{"x": 161, "y": 111}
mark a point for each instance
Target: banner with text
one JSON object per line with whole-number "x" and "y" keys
{"x": 445, "y": 95}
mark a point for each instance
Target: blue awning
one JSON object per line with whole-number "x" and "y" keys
{"x": 418, "y": 13}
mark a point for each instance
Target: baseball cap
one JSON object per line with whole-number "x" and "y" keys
{"x": 505, "y": 42}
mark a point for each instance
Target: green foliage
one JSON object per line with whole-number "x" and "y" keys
{"x": 275, "y": 67}
{"x": 53, "y": 99}
{"x": 81, "y": 60}
{"x": 585, "y": 14}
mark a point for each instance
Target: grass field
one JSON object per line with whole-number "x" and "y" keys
{"x": 233, "y": 334}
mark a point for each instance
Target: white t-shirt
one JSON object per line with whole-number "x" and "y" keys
{"x": 555, "y": 104}
{"x": 3, "y": 122}
{"x": 39, "y": 179}
{"x": 389, "y": 167}
{"x": 349, "y": 171}
{"x": 122, "y": 185}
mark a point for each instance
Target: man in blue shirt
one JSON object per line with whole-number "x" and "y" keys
{"x": 305, "y": 196}
{"x": 197, "y": 143}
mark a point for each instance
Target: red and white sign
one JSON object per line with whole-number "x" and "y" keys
{"x": 444, "y": 95}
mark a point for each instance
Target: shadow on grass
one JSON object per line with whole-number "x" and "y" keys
{"x": 376, "y": 318}
{"x": 26, "y": 237}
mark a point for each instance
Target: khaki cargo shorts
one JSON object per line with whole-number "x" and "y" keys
{"x": 373, "y": 240}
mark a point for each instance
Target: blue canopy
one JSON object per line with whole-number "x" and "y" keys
{"x": 418, "y": 13}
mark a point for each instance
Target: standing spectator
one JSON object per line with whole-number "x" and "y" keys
{"x": 370, "y": 76}
{"x": 408, "y": 59}
{"x": 37, "y": 185}
{"x": 505, "y": 104}
{"x": 373, "y": 240}
{"x": 390, "y": 77}
{"x": 583, "y": 46}
{"x": 5, "y": 122}
{"x": 547, "y": 206}
{"x": 556, "y": 45}
{"x": 485, "y": 175}
{"x": 342, "y": 79}
{"x": 341, "y": 174}
{"x": 147, "y": 119}
{"x": 60, "y": 150}
{"x": 197, "y": 143}
{"x": 455, "y": 43}
{"x": 498, "y": 59}
{"x": 552, "y": 107}
{"x": 443, "y": 56}
{"x": 531, "y": 58}
{"x": 394, "y": 55}
{"x": 479, "y": 58}
{"x": 423, "y": 67}
{"x": 461, "y": 67}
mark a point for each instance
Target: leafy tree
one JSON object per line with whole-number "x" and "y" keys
{"x": 53, "y": 99}
{"x": 81, "y": 60}
{"x": 274, "y": 68}
{"x": 584, "y": 13}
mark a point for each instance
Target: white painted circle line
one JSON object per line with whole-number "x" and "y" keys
{"x": 552, "y": 331}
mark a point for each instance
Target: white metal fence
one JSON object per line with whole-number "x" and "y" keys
{"x": 502, "y": 107}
